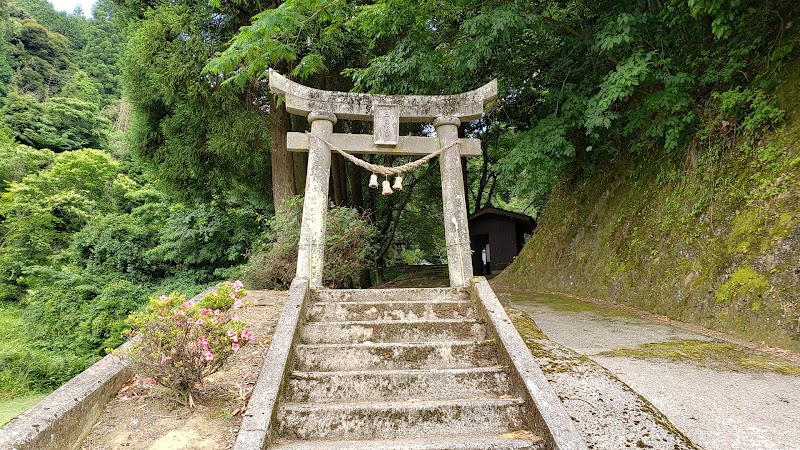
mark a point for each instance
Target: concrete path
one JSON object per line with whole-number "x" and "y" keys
{"x": 717, "y": 409}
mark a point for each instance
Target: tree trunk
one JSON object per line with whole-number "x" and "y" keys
{"x": 356, "y": 190}
{"x": 343, "y": 180}
{"x": 282, "y": 167}
{"x": 300, "y": 165}
{"x": 336, "y": 173}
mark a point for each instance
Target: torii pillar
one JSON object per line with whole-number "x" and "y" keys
{"x": 323, "y": 108}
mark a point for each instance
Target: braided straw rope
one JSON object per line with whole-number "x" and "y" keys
{"x": 383, "y": 170}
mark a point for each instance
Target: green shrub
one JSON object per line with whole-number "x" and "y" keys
{"x": 348, "y": 246}
{"x": 181, "y": 342}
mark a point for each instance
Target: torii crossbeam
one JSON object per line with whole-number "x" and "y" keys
{"x": 323, "y": 108}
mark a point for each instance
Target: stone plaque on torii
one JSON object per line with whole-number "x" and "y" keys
{"x": 323, "y": 108}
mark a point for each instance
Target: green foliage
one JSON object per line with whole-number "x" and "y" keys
{"x": 81, "y": 87}
{"x": 17, "y": 161}
{"x": 201, "y": 137}
{"x": 206, "y": 236}
{"x": 307, "y": 36}
{"x": 348, "y": 247}
{"x": 24, "y": 366}
{"x": 59, "y": 123}
{"x": 181, "y": 342}
{"x": 744, "y": 284}
{"x": 751, "y": 108}
{"x": 580, "y": 81}
{"x": 42, "y": 211}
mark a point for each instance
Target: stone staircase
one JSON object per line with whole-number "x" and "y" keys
{"x": 398, "y": 369}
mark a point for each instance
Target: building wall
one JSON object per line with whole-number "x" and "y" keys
{"x": 502, "y": 238}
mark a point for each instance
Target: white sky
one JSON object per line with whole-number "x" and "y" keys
{"x": 69, "y": 6}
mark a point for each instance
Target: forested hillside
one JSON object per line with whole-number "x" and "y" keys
{"x": 142, "y": 152}
{"x": 89, "y": 232}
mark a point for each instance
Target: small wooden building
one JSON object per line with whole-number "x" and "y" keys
{"x": 496, "y": 237}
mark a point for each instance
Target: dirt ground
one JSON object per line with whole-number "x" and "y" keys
{"x": 145, "y": 417}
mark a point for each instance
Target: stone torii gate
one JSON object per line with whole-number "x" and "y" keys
{"x": 323, "y": 108}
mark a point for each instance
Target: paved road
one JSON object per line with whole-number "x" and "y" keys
{"x": 717, "y": 409}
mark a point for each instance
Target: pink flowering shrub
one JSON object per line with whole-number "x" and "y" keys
{"x": 183, "y": 341}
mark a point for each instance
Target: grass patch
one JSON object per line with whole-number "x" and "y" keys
{"x": 526, "y": 327}
{"x": 717, "y": 355}
{"x": 13, "y": 340}
{"x": 563, "y": 303}
{"x": 11, "y": 408}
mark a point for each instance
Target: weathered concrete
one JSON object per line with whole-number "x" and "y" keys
{"x": 714, "y": 407}
{"x": 407, "y": 330}
{"x": 377, "y": 356}
{"x": 311, "y": 247}
{"x": 456, "y": 223}
{"x": 391, "y": 420}
{"x": 717, "y": 409}
{"x": 61, "y": 420}
{"x": 363, "y": 143}
{"x": 547, "y": 414}
{"x": 302, "y": 100}
{"x": 254, "y": 432}
{"x": 397, "y": 385}
{"x": 607, "y": 412}
{"x": 505, "y": 441}
{"x": 335, "y": 393}
{"x": 390, "y": 310}
{"x": 406, "y": 295}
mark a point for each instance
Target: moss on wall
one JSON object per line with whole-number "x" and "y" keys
{"x": 712, "y": 239}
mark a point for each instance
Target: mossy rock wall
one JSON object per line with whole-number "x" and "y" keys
{"x": 712, "y": 239}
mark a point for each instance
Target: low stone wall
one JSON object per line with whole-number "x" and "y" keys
{"x": 256, "y": 429}
{"x": 548, "y": 416}
{"x": 61, "y": 420}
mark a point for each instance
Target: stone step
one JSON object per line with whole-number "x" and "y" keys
{"x": 424, "y": 330}
{"x": 390, "y": 356}
{"x": 398, "y": 295}
{"x": 393, "y": 420}
{"x": 386, "y": 385}
{"x": 507, "y": 441}
{"x": 390, "y": 310}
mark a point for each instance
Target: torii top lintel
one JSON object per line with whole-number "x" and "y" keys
{"x": 301, "y": 100}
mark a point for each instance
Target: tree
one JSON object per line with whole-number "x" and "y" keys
{"x": 202, "y": 137}
{"x": 310, "y": 40}
{"x": 60, "y": 123}
{"x": 41, "y": 212}
{"x": 81, "y": 87}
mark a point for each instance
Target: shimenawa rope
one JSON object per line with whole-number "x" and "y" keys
{"x": 383, "y": 170}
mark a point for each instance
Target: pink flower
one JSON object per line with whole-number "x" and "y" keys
{"x": 235, "y": 347}
{"x": 233, "y": 335}
{"x": 237, "y": 304}
{"x": 188, "y": 303}
{"x": 215, "y": 319}
{"x": 205, "y": 312}
{"x": 247, "y": 335}
{"x": 208, "y": 355}
{"x": 217, "y": 312}
{"x": 199, "y": 321}
{"x": 202, "y": 342}
{"x": 232, "y": 295}
{"x": 237, "y": 286}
